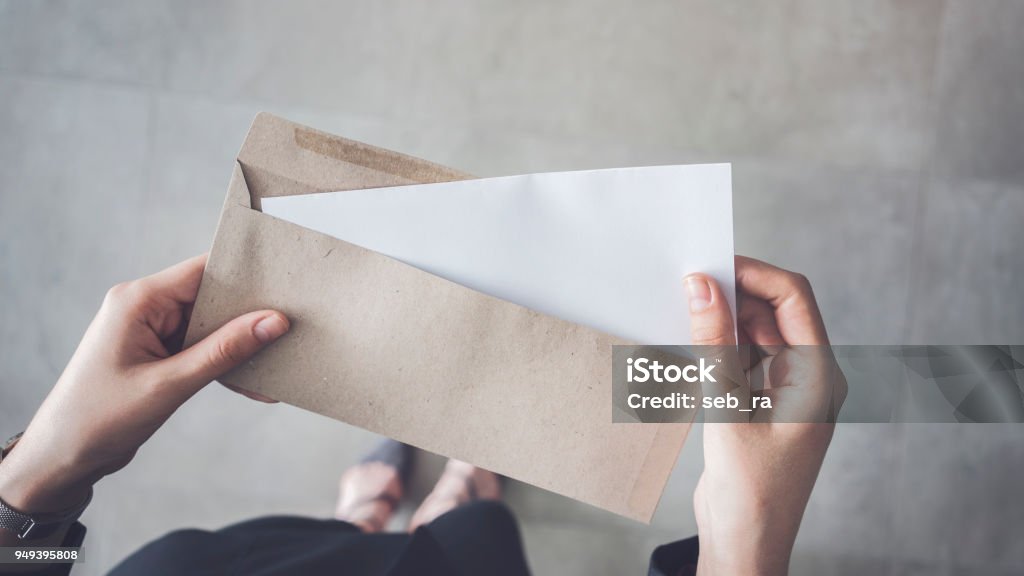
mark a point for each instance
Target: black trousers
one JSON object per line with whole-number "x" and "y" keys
{"x": 479, "y": 538}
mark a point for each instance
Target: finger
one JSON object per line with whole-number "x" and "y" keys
{"x": 250, "y": 394}
{"x": 712, "y": 329}
{"x": 229, "y": 346}
{"x": 796, "y": 312}
{"x": 179, "y": 282}
{"x": 757, "y": 319}
{"x": 749, "y": 355}
{"x": 805, "y": 385}
{"x": 710, "y": 317}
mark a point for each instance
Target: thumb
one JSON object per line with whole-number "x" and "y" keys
{"x": 710, "y": 317}
{"x": 711, "y": 329}
{"x": 229, "y": 346}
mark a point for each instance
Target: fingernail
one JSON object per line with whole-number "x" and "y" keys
{"x": 270, "y": 328}
{"x": 700, "y": 293}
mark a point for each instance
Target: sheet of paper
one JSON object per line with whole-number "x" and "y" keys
{"x": 603, "y": 248}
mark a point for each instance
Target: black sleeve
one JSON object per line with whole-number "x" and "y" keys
{"x": 677, "y": 558}
{"x": 72, "y": 539}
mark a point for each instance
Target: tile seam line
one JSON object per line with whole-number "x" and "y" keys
{"x": 917, "y": 266}
{"x": 916, "y": 271}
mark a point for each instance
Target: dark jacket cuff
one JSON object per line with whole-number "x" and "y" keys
{"x": 677, "y": 558}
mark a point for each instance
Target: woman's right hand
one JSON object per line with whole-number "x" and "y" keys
{"x": 758, "y": 475}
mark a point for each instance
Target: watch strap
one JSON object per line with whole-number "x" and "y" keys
{"x": 21, "y": 524}
{"x": 37, "y": 526}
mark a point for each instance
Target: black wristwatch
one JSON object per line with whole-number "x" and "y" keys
{"x": 35, "y": 526}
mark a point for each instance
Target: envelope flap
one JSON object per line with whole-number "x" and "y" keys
{"x": 281, "y": 158}
{"x": 238, "y": 190}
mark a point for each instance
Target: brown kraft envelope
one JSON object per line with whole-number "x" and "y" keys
{"x": 403, "y": 353}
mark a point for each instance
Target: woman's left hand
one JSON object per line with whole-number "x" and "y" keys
{"x": 127, "y": 377}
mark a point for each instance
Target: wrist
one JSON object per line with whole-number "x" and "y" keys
{"x": 40, "y": 486}
{"x": 738, "y": 534}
